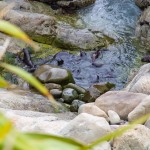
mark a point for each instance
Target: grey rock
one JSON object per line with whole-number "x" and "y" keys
{"x": 143, "y": 27}
{"x": 44, "y": 28}
{"x": 51, "y": 86}
{"x": 70, "y": 38}
{"x": 143, "y": 3}
{"x": 142, "y": 109}
{"x": 92, "y": 109}
{"x": 135, "y": 139}
{"x": 75, "y": 105}
{"x": 96, "y": 90}
{"x": 56, "y": 93}
{"x": 31, "y": 121}
{"x": 121, "y": 102}
{"x": 141, "y": 82}
{"x": 86, "y": 128}
{"x": 69, "y": 95}
{"x": 24, "y": 100}
{"x": 79, "y": 89}
{"x": 74, "y": 4}
{"x": 53, "y": 74}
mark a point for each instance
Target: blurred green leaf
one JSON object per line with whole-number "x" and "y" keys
{"x": 14, "y": 31}
{"x": 5, "y": 127}
{"x": 51, "y": 142}
{"x": 3, "y": 83}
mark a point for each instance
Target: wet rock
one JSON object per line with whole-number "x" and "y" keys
{"x": 86, "y": 128}
{"x": 67, "y": 4}
{"x": 69, "y": 95}
{"x": 51, "y": 86}
{"x": 81, "y": 96}
{"x": 143, "y": 27}
{"x": 79, "y": 89}
{"x": 45, "y": 29}
{"x": 61, "y": 100}
{"x": 70, "y": 38}
{"x": 143, "y": 3}
{"x": 53, "y": 74}
{"x": 56, "y": 93}
{"x": 121, "y": 102}
{"x": 142, "y": 109}
{"x": 135, "y": 139}
{"x": 75, "y": 105}
{"x": 92, "y": 109}
{"x": 141, "y": 82}
{"x": 96, "y": 90}
{"x": 113, "y": 117}
{"x": 74, "y": 4}
{"x": 146, "y": 58}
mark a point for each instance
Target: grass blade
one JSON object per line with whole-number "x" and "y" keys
{"x": 14, "y": 31}
{"x": 5, "y": 127}
{"x": 3, "y": 83}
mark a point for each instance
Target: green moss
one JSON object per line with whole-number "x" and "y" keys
{"x": 46, "y": 39}
{"x": 72, "y": 19}
{"x": 45, "y": 50}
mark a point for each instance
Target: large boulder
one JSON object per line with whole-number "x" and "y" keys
{"x": 143, "y": 27}
{"x": 71, "y": 38}
{"x": 141, "y": 82}
{"x": 121, "y": 102}
{"x": 40, "y": 27}
{"x": 135, "y": 139}
{"x": 23, "y": 100}
{"x": 31, "y": 121}
{"x": 44, "y": 28}
{"x": 53, "y": 74}
{"x": 142, "y": 109}
{"x": 86, "y": 128}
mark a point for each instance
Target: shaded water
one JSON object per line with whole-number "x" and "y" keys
{"x": 117, "y": 19}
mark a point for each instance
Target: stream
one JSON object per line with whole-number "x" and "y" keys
{"x": 116, "y": 19}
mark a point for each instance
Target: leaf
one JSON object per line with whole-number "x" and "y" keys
{"x": 5, "y": 127}
{"x": 31, "y": 80}
{"x": 50, "y": 142}
{"x": 13, "y": 30}
{"x": 3, "y": 83}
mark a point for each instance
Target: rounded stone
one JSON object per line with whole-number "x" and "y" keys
{"x": 53, "y": 74}
{"x": 113, "y": 117}
{"x": 75, "y": 105}
{"x": 56, "y": 93}
{"x": 69, "y": 95}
